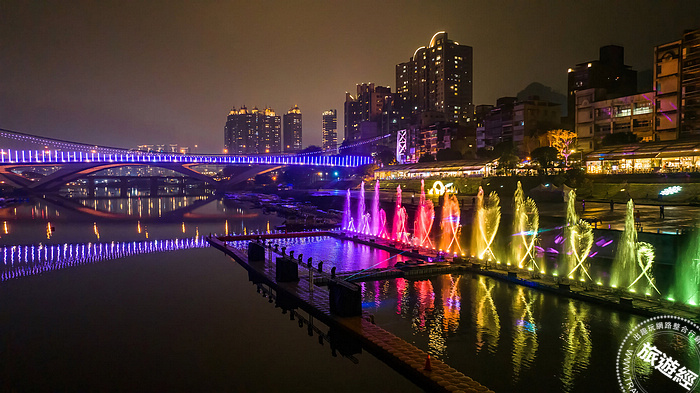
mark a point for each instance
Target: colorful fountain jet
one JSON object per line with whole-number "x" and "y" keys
{"x": 450, "y": 225}
{"x": 347, "y": 214}
{"x": 485, "y": 225}
{"x": 686, "y": 286}
{"x": 425, "y": 214}
{"x": 361, "y": 221}
{"x": 579, "y": 241}
{"x": 633, "y": 259}
{"x": 399, "y": 228}
{"x": 375, "y": 211}
{"x": 526, "y": 221}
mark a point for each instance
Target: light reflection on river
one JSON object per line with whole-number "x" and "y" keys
{"x": 100, "y": 300}
{"x": 509, "y": 337}
{"x": 506, "y": 336}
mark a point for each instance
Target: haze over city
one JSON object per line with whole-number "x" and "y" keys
{"x": 124, "y": 74}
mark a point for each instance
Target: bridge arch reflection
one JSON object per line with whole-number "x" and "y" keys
{"x": 29, "y": 260}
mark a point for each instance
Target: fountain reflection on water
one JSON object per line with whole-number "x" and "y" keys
{"x": 495, "y": 315}
{"x": 577, "y": 343}
{"x": 488, "y": 324}
{"x": 525, "y": 342}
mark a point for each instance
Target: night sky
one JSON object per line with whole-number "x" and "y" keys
{"x": 123, "y": 73}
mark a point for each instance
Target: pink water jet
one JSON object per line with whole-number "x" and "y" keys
{"x": 399, "y": 228}
{"x": 424, "y": 220}
{"x": 361, "y": 220}
{"x": 376, "y": 219}
{"x": 346, "y": 212}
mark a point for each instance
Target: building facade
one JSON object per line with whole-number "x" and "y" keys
{"x": 370, "y": 104}
{"x": 609, "y": 73}
{"x": 252, "y": 131}
{"x": 330, "y": 129}
{"x": 655, "y": 157}
{"x": 481, "y": 112}
{"x": 522, "y": 123}
{"x": 292, "y": 130}
{"x": 677, "y": 87}
{"x": 532, "y": 118}
{"x": 597, "y": 117}
{"x": 436, "y": 78}
{"x": 498, "y": 124}
{"x": 418, "y": 140}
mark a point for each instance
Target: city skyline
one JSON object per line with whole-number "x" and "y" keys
{"x": 129, "y": 74}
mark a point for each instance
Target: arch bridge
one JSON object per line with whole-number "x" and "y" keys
{"x": 78, "y": 160}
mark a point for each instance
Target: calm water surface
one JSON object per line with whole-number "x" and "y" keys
{"x": 115, "y": 310}
{"x": 506, "y": 336}
{"x": 184, "y": 320}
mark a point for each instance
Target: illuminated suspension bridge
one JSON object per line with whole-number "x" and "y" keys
{"x": 56, "y": 151}
{"x": 73, "y": 160}
{"x": 43, "y": 157}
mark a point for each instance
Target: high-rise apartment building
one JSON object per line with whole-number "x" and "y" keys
{"x": 677, "y": 86}
{"x": 330, "y": 129}
{"x": 371, "y": 104}
{"x": 292, "y": 129}
{"x": 609, "y": 73}
{"x": 437, "y": 78}
{"x": 252, "y": 132}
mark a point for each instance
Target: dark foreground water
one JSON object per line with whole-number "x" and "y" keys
{"x": 508, "y": 337}
{"x": 173, "y": 321}
{"x": 84, "y": 316}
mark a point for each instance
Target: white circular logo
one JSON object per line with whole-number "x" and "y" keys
{"x": 661, "y": 354}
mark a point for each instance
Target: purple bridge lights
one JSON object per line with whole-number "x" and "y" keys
{"x": 43, "y": 157}
{"x": 76, "y": 160}
{"x": 57, "y": 151}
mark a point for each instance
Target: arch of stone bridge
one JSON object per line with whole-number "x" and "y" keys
{"x": 72, "y": 172}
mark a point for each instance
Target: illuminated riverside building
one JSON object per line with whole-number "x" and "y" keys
{"x": 252, "y": 131}
{"x": 597, "y": 117}
{"x": 609, "y": 73}
{"x": 677, "y": 85}
{"x": 330, "y": 129}
{"x": 437, "y": 170}
{"x": 653, "y": 157}
{"x": 436, "y": 78}
{"x": 292, "y": 129}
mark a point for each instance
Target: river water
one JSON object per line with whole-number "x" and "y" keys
{"x": 184, "y": 320}
{"x": 124, "y": 295}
